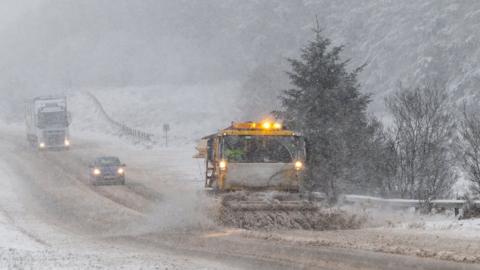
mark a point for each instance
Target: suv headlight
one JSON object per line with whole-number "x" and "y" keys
{"x": 97, "y": 171}
{"x": 121, "y": 171}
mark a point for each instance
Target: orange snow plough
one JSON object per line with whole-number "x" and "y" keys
{"x": 257, "y": 169}
{"x": 253, "y": 155}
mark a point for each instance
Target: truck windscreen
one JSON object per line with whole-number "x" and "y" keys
{"x": 261, "y": 149}
{"x": 52, "y": 119}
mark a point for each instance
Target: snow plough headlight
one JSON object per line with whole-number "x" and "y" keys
{"x": 298, "y": 165}
{"x": 121, "y": 171}
{"x": 222, "y": 165}
{"x": 67, "y": 142}
{"x": 96, "y": 171}
{"x": 266, "y": 125}
{"x": 41, "y": 145}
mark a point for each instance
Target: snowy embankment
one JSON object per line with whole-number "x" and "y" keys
{"x": 401, "y": 214}
{"x": 191, "y": 111}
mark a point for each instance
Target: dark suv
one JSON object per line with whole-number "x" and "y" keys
{"x": 107, "y": 170}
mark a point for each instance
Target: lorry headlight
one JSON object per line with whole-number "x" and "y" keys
{"x": 222, "y": 165}
{"x": 298, "y": 165}
{"x": 96, "y": 171}
{"x": 41, "y": 145}
{"x": 67, "y": 142}
{"x": 121, "y": 171}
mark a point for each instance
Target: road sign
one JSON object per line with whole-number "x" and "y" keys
{"x": 166, "y": 129}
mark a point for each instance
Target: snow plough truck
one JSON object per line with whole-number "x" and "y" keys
{"x": 256, "y": 171}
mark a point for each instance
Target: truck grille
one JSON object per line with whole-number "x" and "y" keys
{"x": 109, "y": 172}
{"x": 54, "y": 137}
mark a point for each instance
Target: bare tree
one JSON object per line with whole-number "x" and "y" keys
{"x": 423, "y": 132}
{"x": 470, "y": 132}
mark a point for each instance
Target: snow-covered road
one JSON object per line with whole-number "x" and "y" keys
{"x": 50, "y": 217}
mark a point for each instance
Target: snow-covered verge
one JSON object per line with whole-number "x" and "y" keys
{"x": 438, "y": 236}
{"x": 395, "y": 241}
{"x": 467, "y": 227}
{"x": 444, "y": 224}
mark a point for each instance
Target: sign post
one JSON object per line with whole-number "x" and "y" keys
{"x": 166, "y": 128}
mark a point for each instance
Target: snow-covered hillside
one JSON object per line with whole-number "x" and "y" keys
{"x": 192, "y": 111}
{"x": 408, "y": 41}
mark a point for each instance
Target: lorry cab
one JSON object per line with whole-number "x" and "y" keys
{"x": 250, "y": 155}
{"x": 47, "y": 121}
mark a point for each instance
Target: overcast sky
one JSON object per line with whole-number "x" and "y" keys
{"x": 11, "y": 9}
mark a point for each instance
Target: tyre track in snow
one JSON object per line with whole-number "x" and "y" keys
{"x": 133, "y": 195}
{"x": 21, "y": 229}
{"x": 121, "y": 195}
{"x": 58, "y": 193}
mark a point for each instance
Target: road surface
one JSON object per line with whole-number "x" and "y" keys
{"x": 53, "y": 218}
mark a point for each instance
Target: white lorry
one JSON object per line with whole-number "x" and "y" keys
{"x": 47, "y": 121}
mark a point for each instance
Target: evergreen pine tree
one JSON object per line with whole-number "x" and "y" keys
{"x": 325, "y": 104}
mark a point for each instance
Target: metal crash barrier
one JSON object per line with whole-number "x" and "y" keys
{"x": 122, "y": 128}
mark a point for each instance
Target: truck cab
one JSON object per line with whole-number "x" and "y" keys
{"x": 250, "y": 155}
{"x": 47, "y": 121}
